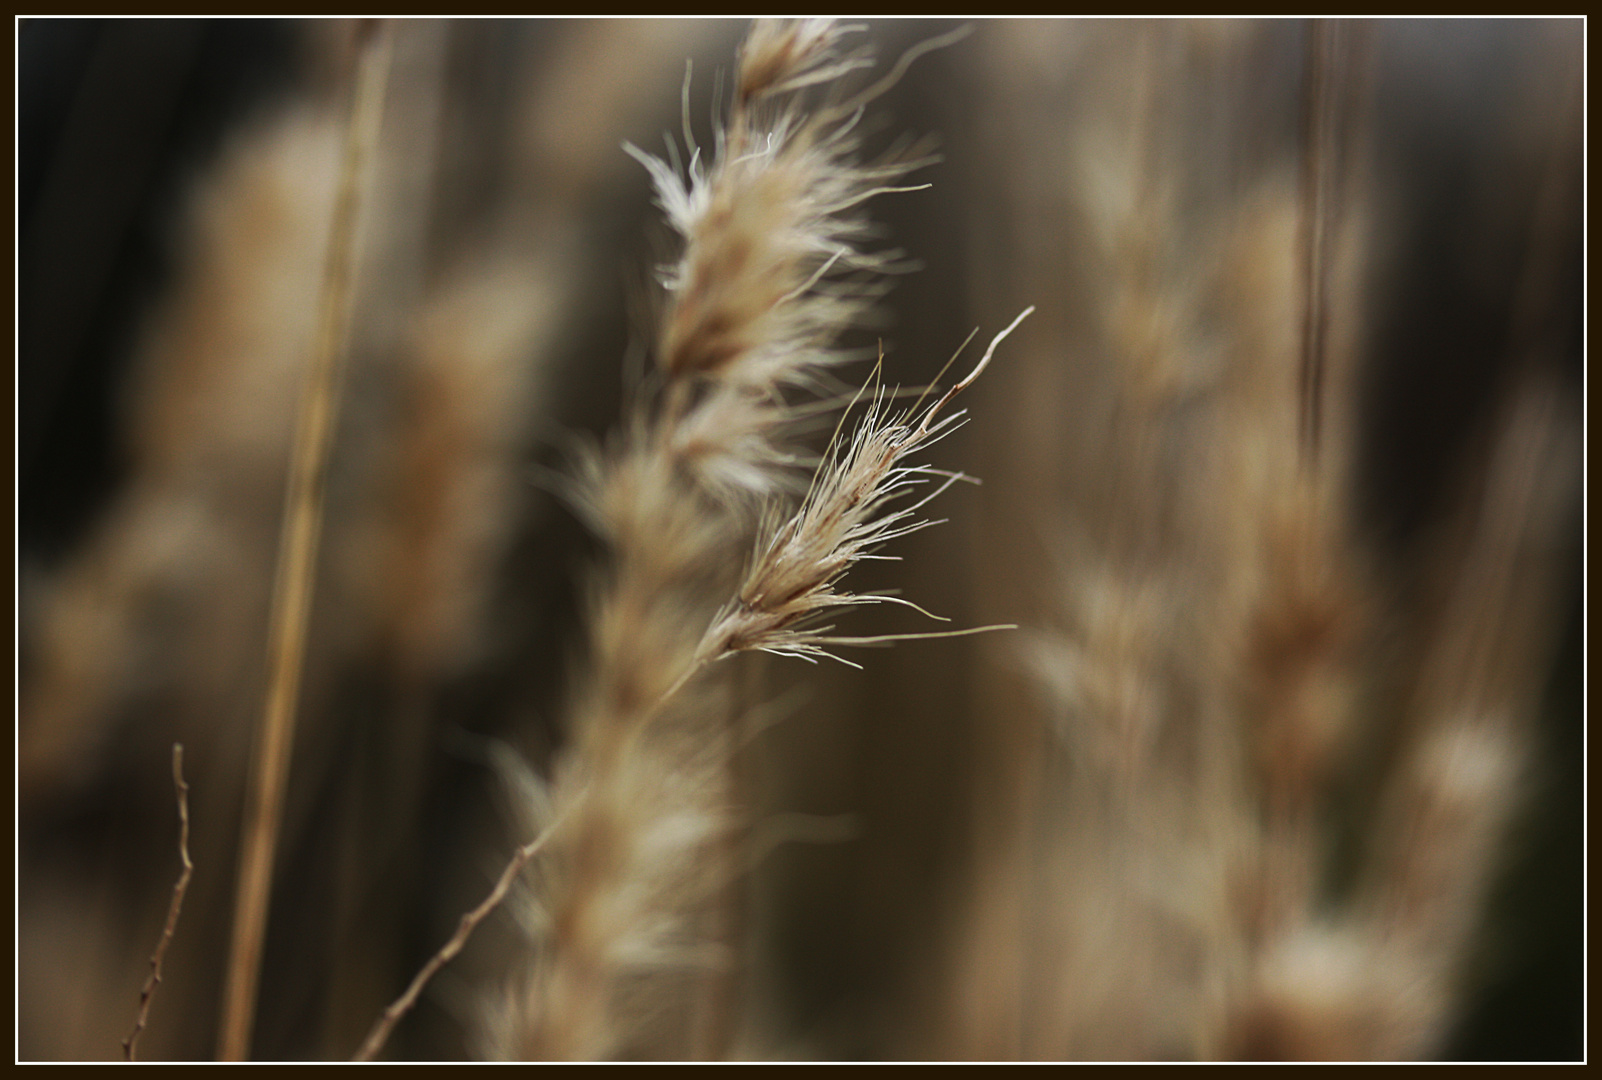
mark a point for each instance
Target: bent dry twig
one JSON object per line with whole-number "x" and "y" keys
{"x": 402, "y": 1005}
{"x": 129, "y": 1044}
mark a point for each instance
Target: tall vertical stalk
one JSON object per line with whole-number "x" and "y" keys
{"x": 297, "y": 554}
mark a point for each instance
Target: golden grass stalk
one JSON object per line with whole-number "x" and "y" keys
{"x": 645, "y": 787}
{"x": 628, "y": 927}
{"x": 298, "y": 546}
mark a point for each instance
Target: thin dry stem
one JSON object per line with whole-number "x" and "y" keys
{"x": 293, "y": 583}
{"x": 178, "y": 890}
{"x": 402, "y": 1005}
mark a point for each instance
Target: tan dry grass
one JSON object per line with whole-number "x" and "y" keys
{"x": 1239, "y": 787}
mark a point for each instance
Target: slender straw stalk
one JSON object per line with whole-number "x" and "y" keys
{"x": 298, "y": 546}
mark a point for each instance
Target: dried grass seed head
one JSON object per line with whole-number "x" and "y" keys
{"x": 844, "y": 519}
{"x": 783, "y": 55}
{"x": 772, "y": 270}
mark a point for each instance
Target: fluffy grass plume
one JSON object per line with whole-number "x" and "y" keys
{"x": 648, "y": 846}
